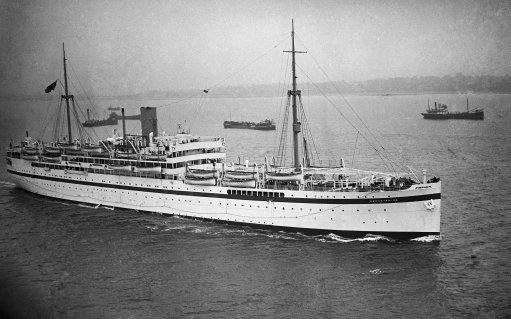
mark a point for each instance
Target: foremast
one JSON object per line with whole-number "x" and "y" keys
{"x": 294, "y": 93}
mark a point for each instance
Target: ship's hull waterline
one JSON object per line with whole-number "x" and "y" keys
{"x": 397, "y": 214}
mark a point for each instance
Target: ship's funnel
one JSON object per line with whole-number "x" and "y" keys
{"x": 148, "y": 121}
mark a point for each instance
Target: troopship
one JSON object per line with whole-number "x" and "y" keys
{"x": 266, "y": 125}
{"x": 439, "y": 112}
{"x": 187, "y": 175}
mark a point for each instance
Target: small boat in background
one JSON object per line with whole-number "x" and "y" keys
{"x": 266, "y": 125}
{"x": 440, "y": 112}
{"x": 112, "y": 119}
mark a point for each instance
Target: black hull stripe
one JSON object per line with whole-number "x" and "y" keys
{"x": 241, "y": 197}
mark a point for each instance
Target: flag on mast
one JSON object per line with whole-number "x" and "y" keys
{"x": 50, "y": 87}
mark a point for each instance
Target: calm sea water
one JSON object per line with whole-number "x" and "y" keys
{"x": 68, "y": 260}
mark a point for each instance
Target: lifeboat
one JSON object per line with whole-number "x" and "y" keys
{"x": 240, "y": 175}
{"x": 126, "y": 155}
{"x": 99, "y": 166}
{"x": 73, "y": 151}
{"x": 202, "y": 173}
{"x": 200, "y": 181}
{"x": 248, "y": 183}
{"x": 29, "y": 151}
{"x": 30, "y": 157}
{"x": 284, "y": 177}
{"x": 69, "y": 147}
{"x": 51, "y": 159}
{"x": 154, "y": 157}
{"x": 52, "y": 151}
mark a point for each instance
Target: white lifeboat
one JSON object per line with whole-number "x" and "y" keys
{"x": 246, "y": 183}
{"x": 211, "y": 181}
{"x": 240, "y": 175}
{"x": 285, "y": 177}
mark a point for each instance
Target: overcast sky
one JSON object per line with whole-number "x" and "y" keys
{"x": 133, "y": 46}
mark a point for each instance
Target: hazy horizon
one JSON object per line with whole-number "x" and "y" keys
{"x": 126, "y": 47}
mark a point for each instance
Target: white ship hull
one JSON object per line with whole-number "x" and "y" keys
{"x": 400, "y": 214}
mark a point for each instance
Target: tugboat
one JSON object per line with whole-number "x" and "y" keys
{"x": 440, "y": 112}
{"x": 266, "y": 125}
{"x": 188, "y": 176}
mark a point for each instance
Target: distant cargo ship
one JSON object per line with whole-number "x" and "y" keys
{"x": 112, "y": 119}
{"x": 440, "y": 112}
{"x": 266, "y": 125}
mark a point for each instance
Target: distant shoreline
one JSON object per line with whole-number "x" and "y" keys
{"x": 157, "y": 98}
{"x": 451, "y": 84}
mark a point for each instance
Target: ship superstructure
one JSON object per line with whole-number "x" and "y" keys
{"x": 188, "y": 175}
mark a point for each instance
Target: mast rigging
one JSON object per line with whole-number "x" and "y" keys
{"x": 294, "y": 93}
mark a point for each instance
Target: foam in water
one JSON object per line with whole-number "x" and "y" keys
{"x": 88, "y": 206}
{"x": 427, "y": 239}
{"x": 332, "y": 238}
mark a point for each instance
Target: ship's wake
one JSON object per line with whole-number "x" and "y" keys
{"x": 7, "y": 184}
{"x": 333, "y": 238}
{"x": 215, "y": 230}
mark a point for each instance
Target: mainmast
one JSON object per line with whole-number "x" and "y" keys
{"x": 294, "y": 93}
{"x": 67, "y": 97}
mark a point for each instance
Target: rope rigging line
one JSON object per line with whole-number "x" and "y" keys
{"x": 345, "y": 118}
{"x": 56, "y": 127}
{"x": 79, "y": 126}
{"x": 388, "y": 154}
{"x": 282, "y": 106}
{"x": 281, "y": 93}
{"x": 81, "y": 86}
{"x": 46, "y": 119}
{"x": 229, "y": 76}
{"x": 354, "y": 151}
{"x": 281, "y": 153}
{"x": 308, "y": 132}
